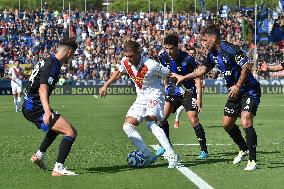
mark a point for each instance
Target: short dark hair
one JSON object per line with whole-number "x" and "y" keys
{"x": 69, "y": 42}
{"x": 132, "y": 45}
{"x": 172, "y": 39}
{"x": 212, "y": 29}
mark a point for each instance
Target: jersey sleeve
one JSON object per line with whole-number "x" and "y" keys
{"x": 161, "y": 70}
{"x": 241, "y": 58}
{"x": 121, "y": 67}
{"x": 46, "y": 69}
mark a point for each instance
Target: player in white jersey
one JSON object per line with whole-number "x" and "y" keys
{"x": 147, "y": 75}
{"x": 15, "y": 74}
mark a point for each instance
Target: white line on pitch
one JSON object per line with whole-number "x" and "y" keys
{"x": 199, "y": 144}
{"x": 199, "y": 182}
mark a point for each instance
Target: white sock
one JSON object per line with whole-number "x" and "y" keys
{"x": 39, "y": 154}
{"x": 178, "y": 112}
{"x": 19, "y": 102}
{"x": 135, "y": 138}
{"x": 58, "y": 166}
{"x": 160, "y": 135}
{"x": 15, "y": 102}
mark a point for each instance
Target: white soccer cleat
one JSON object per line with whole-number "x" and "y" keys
{"x": 173, "y": 159}
{"x": 251, "y": 165}
{"x": 240, "y": 156}
{"x": 62, "y": 171}
{"x": 40, "y": 162}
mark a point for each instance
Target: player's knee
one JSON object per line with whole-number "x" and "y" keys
{"x": 127, "y": 127}
{"x": 193, "y": 119}
{"x": 150, "y": 124}
{"x": 246, "y": 119}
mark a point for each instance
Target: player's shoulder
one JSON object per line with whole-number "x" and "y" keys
{"x": 149, "y": 62}
{"x": 230, "y": 48}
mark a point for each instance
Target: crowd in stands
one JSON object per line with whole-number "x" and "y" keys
{"x": 31, "y": 35}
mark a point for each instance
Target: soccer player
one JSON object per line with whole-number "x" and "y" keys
{"x": 192, "y": 53}
{"x": 15, "y": 74}
{"x": 244, "y": 91}
{"x": 147, "y": 76}
{"x": 276, "y": 68}
{"x": 36, "y": 107}
{"x": 190, "y": 97}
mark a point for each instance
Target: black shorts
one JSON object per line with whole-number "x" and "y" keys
{"x": 188, "y": 102}
{"x": 34, "y": 113}
{"x": 235, "y": 106}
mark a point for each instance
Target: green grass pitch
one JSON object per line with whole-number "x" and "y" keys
{"x": 99, "y": 153}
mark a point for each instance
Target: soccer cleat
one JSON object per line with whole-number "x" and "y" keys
{"x": 160, "y": 151}
{"x": 41, "y": 163}
{"x": 203, "y": 155}
{"x": 150, "y": 160}
{"x": 176, "y": 124}
{"x": 173, "y": 159}
{"x": 240, "y": 156}
{"x": 62, "y": 172}
{"x": 251, "y": 165}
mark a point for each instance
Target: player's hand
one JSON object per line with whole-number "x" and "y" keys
{"x": 264, "y": 67}
{"x": 179, "y": 78}
{"x": 199, "y": 105}
{"x": 234, "y": 91}
{"x": 47, "y": 116}
{"x": 102, "y": 91}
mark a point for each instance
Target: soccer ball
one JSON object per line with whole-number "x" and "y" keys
{"x": 136, "y": 158}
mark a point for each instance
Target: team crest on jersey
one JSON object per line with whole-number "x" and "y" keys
{"x": 50, "y": 80}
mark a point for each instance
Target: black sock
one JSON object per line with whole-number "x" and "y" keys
{"x": 48, "y": 140}
{"x": 200, "y": 134}
{"x": 166, "y": 129}
{"x": 236, "y": 135}
{"x": 64, "y": 148}
{"x": 251, "y": 138}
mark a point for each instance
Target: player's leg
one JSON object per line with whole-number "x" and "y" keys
{"x": 14, "y": 93}
{"x": 19, "y": 97}
{"x": 199, "y": 132}
{"x": 249, "y": 108}
{"x": 60, "y": 125}
{"x": 231, "y": 112}
{"x": 165, "y": 126}
{"x": 160, "y": 135}
{"x": 178, "y": 114}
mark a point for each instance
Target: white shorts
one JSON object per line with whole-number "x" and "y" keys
{"x": 16, "y": 87}
{"x": 145, "y": 106}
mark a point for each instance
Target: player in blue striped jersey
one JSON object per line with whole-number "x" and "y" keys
{"x": 244, "y": 91}
{"x": 188, "y": 95}
{"x": 36, "y": 107}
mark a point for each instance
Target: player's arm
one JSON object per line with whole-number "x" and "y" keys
{"x": 197, "y": 73}
{"x": 43, "y": 94}
{"x": 276, "y": 68}
{"x": 198, "y": 84}
{"x": 115, "y": 76}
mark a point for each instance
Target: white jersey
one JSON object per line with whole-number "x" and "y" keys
{"x": 16, "y": 75}
{"x": 147, "y": 76}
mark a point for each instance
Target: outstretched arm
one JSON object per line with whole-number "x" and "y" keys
{"x": 197, "y": 73}
{"x": 115, "y": 76}
{"x": 276, "y": 68}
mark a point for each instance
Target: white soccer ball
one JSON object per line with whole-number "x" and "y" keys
{"x": 136, "y": 158}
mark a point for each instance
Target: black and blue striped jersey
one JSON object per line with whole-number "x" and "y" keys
{"x": 183, "y": 65}
{"x": 230, "y": 59}
{"x": 46, "y": 72}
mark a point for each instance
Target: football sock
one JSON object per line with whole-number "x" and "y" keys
{"x": 165, "y": 126}
{"x": 135, "y": 138}
{"x": 15, "y": 102}
{"x": 48, "y": 140}
{"x": 178, "y": 112}
{"x": 251, "y": 139}
{"x": 64, "y": 148}
{"x": 236, "y": 135}
{"x": 19, "y": 102}
{"x": 59, "y": 166}
{"x": 200, "y": 134}
{"x": 160, "y": 135}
